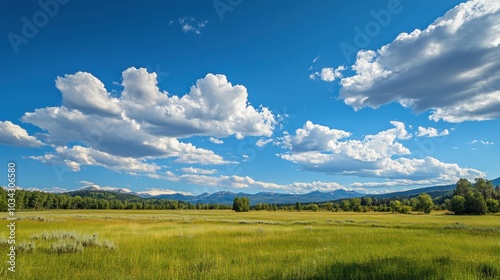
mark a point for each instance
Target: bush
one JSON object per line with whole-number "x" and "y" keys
{"x": 405, "y": 209}
{"x": 493, "y": 205}
{"x": 71, "y": 242}
{"x": 62, "y": 247}
{"x": 26, "y": 247}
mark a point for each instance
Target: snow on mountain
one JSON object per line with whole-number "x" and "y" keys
{"x": 95, "y": 187}
{"x": 156, "y": 192}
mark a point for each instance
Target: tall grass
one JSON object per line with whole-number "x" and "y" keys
{"x": 257, "y": 245}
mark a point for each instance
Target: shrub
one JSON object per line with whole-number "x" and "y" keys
{"x": 72, "y": 242}
{"x": 493, "y": 205}
{"x": 26, "y": 247}
{"x": 62, "y": 247}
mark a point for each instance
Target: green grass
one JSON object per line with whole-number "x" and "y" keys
{"x": 254, "y": 245}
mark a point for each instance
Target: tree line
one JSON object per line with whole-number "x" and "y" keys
{"x": 37, "y": 200}
{"x": 467, "y": 198}
{"x": 478, "y": 198}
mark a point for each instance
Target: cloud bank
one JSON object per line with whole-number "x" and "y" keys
{"x": 322, "y": 149}
{"x": 451, "y": 68}
{"x": 127, "y": 132}
{"x": 14, "y": 135}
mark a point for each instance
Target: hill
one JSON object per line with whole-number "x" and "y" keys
{"x": 226, "y": 197}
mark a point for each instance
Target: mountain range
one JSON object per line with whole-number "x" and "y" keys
{"x": 226, "y": 197}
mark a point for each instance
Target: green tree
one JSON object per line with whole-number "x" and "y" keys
{"x": 405, "y": 209}
{"x": 485, "y": 187}
{"x": 345, "y": 205}
{"x": 425, "y": 203}
{"x": 3, "y": 200}
{"x": 395, "y": 206}
{"x": 475, "y": 204}
{"x": 329, "y": 206}
{"x": 457, "y": 204}
{"x": 463, "y": 187}
{"x": 447, "y": 204}
{"x": 312, "y": 207}
{"x": 298, "y": 206}
{"x": 355, "y": 204}
{"x": 493, "y": 205}
{"x": 241, "y": 204}
{"x": 336, "y": 207}
{"x": 369, "y": 201}
{"x": 414, "y": 203}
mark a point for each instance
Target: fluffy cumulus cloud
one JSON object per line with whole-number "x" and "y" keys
{"x": 213, "y": 107}
{"x": 430, "y": 132}
{"x": 313, "y": 137}
{"x": 450, "y": 68}
{"x": 93, "y": 128}
{"x": 77, "y": 156}
{"x": 319, "y": 148}
{"x": 328, "y": 74}
{"x": 216, "y": 140}
{"x": 14, "y": 135}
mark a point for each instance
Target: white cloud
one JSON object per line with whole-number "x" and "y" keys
{"x": 77, "y": 156}
{"x": 143, "y": 123}
{"x": 156, "y": 192}
{"x": 194, "y": 170}
{"x": 243, "y": 182}
{"x": 189, "y": 24}
{"x": 450, "y": 68}
{"x": 482, "y": 142}
{"x": 393, "y": 183}
{"x": 13, "y": 135}
{"x": 119, "y": 136}
{"x": 313, "y": 137}
{"x": 263, "y": 142}
{"x": 213, "y": 107}
{"x": 49, "y": 190}
{"x": 321, "y": 149}
{"x": 328, "y": 74}
{"x": 86, "y": 94}
{"x": 430, "y": 132}
{"x": 216, "y": 140}
{"x": 86, "y": 183}
{"x": 92, "y": 186}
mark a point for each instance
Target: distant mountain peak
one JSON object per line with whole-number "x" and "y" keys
{"x": 95, "y": 187}
{"x": 91, "y": 188}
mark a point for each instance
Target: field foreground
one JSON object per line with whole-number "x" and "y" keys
{"x": 121, "y": 244}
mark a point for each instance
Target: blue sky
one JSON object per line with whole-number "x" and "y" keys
{"x": 282, "y": 96}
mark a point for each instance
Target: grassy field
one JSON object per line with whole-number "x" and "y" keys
{"x": 254, "y": 245}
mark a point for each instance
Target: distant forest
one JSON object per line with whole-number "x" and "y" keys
{"x": 480, "y": 197}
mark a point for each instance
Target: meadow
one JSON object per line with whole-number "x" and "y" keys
{"x": 222, "y": 244}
